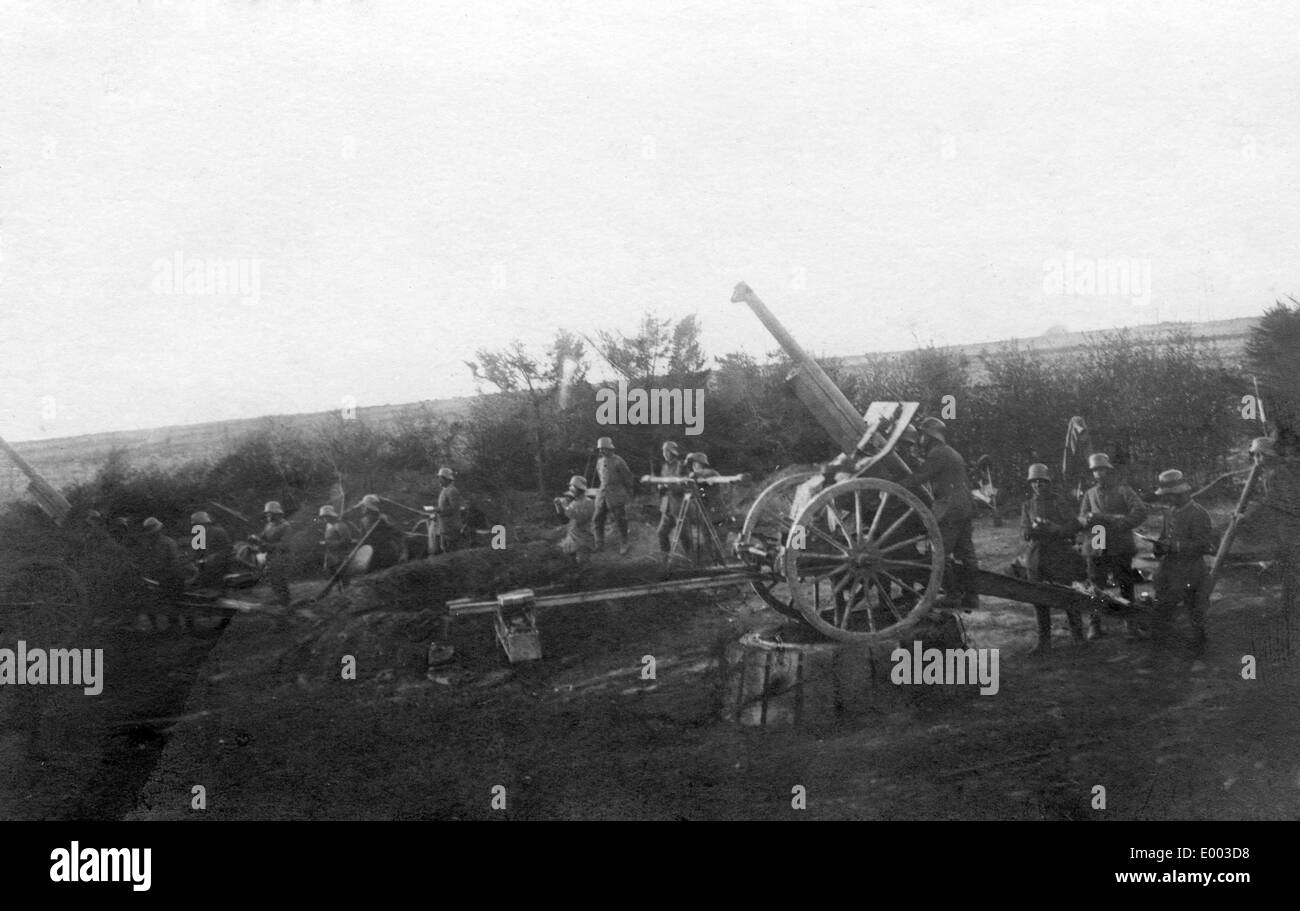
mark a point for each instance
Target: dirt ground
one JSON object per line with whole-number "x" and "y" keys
{"x": 260, "y": 717}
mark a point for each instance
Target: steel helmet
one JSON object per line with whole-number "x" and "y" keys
{"x": 578, "y": 482}
{"x": 152, "y": 524}
{"x": 1099, "y": 460}
{"x": 328, "y": 511}
{"x": 370, "y": 501}
{"x": 273, "y": 508}
{"x": 447, "y": 473}
{"x": 698, "y": 457}
{"x": 200, "y": 518}
{"x": 604, "y": 443}
{"x": 909, "y": 435}
{"x": 1038, "y": 472}
{"x": 933, "y": 427}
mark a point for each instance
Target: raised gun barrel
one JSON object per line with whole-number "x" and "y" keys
{"x": 829, "y": 406}
{"x": 51, "y": 502}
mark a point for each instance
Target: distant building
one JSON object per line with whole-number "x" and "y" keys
{"x": 1227, "y": 336}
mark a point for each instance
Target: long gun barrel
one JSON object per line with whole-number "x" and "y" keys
{"x": 52, "y": 503}
{"x": 829, "y": 406}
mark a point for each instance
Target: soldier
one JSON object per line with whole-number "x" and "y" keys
{"x": 697, "y": 466}
{"x": 161, "y": 560}
{"x": 274, "y": 542}
{"x": 1282, "y": 500}
{"x": 954, "y": 508}
{"x": 1185, "y": 540}
{"x": 386, "y": 539}
{"x": 1047, "y": 522}
{"x": 446, "y": 525}
{"x": 670, "y": 499}
{"x": 95, "y": 535}
{"x": 215, "y": 554}
{"x": 337, "y": 540}
{"x": 906, "y": 448}
{"x": 613, "y": 495}
{"x": 579, "y": 540}
{"x": 1113, "y": 507}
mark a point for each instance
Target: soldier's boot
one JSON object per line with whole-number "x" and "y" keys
{"x": 1094, "y": 626}
{"x": 1044, "y": 631}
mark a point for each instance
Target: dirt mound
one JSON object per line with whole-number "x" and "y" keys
{"x": 387, "y": 620}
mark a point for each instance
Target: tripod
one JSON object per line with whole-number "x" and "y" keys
{"x": 704, "y": 541}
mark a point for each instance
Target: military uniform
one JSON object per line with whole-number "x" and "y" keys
{"x": 1186, "y": 539}
{"x": 338, "y": 541}
{"x": 1118, "y": 510}
{"x": 579, "y": 540}
{"x": 1283, "y": 504}
{"x": 954, "y": 509}
{"x": 670, "y": 503}
{"x": 1048, "y": 524}
{"x": 446, "y": 521}
{"x": 162, "y": 563}
{"x": 275, "y": 539}
{"x": 612, "y": 497}
{"x": 214, "y": 557}
{"x": 385, "y": 541}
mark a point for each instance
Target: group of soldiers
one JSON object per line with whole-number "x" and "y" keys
{"x": 1107, "y": 517}
{"x": 268, "y": 551}
{"x": 589, "y": 512}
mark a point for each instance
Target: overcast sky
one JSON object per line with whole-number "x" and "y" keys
{"x": 411, "y": 181}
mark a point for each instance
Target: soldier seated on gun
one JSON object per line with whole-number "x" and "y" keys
{"x": 1185, "y": 540}
{"x": 579, "y": 539}
{"x": 1109, "y": 512}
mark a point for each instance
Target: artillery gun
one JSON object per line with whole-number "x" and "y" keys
{"x": 847, "y": 549}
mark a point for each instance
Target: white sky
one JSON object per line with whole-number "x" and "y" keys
{"x": 416, "y": 180}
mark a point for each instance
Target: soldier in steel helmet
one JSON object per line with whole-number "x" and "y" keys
{"x": 1108, "y": 514}
{"x": 954, "y": 508}
{"x": 1048, "y": 525}
{"x": 613, "y": 495}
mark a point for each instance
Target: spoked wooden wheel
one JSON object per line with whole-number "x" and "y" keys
{"x": 872, "y": 561}
{"x": 43, "y": 602}
{"x": 766, "y": 528}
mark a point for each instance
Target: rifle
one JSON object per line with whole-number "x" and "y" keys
{"x": 338, "y": 573}
{"x": 687, "y": 481}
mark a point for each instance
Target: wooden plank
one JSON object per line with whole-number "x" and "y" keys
{"x": 464, "y": 607}
{"x": 997, "y": 585}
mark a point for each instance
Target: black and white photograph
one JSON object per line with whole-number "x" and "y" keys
{"x": 611, "y": 411}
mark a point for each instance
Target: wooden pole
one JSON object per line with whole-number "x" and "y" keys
{"x": 1231, "y": 532}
